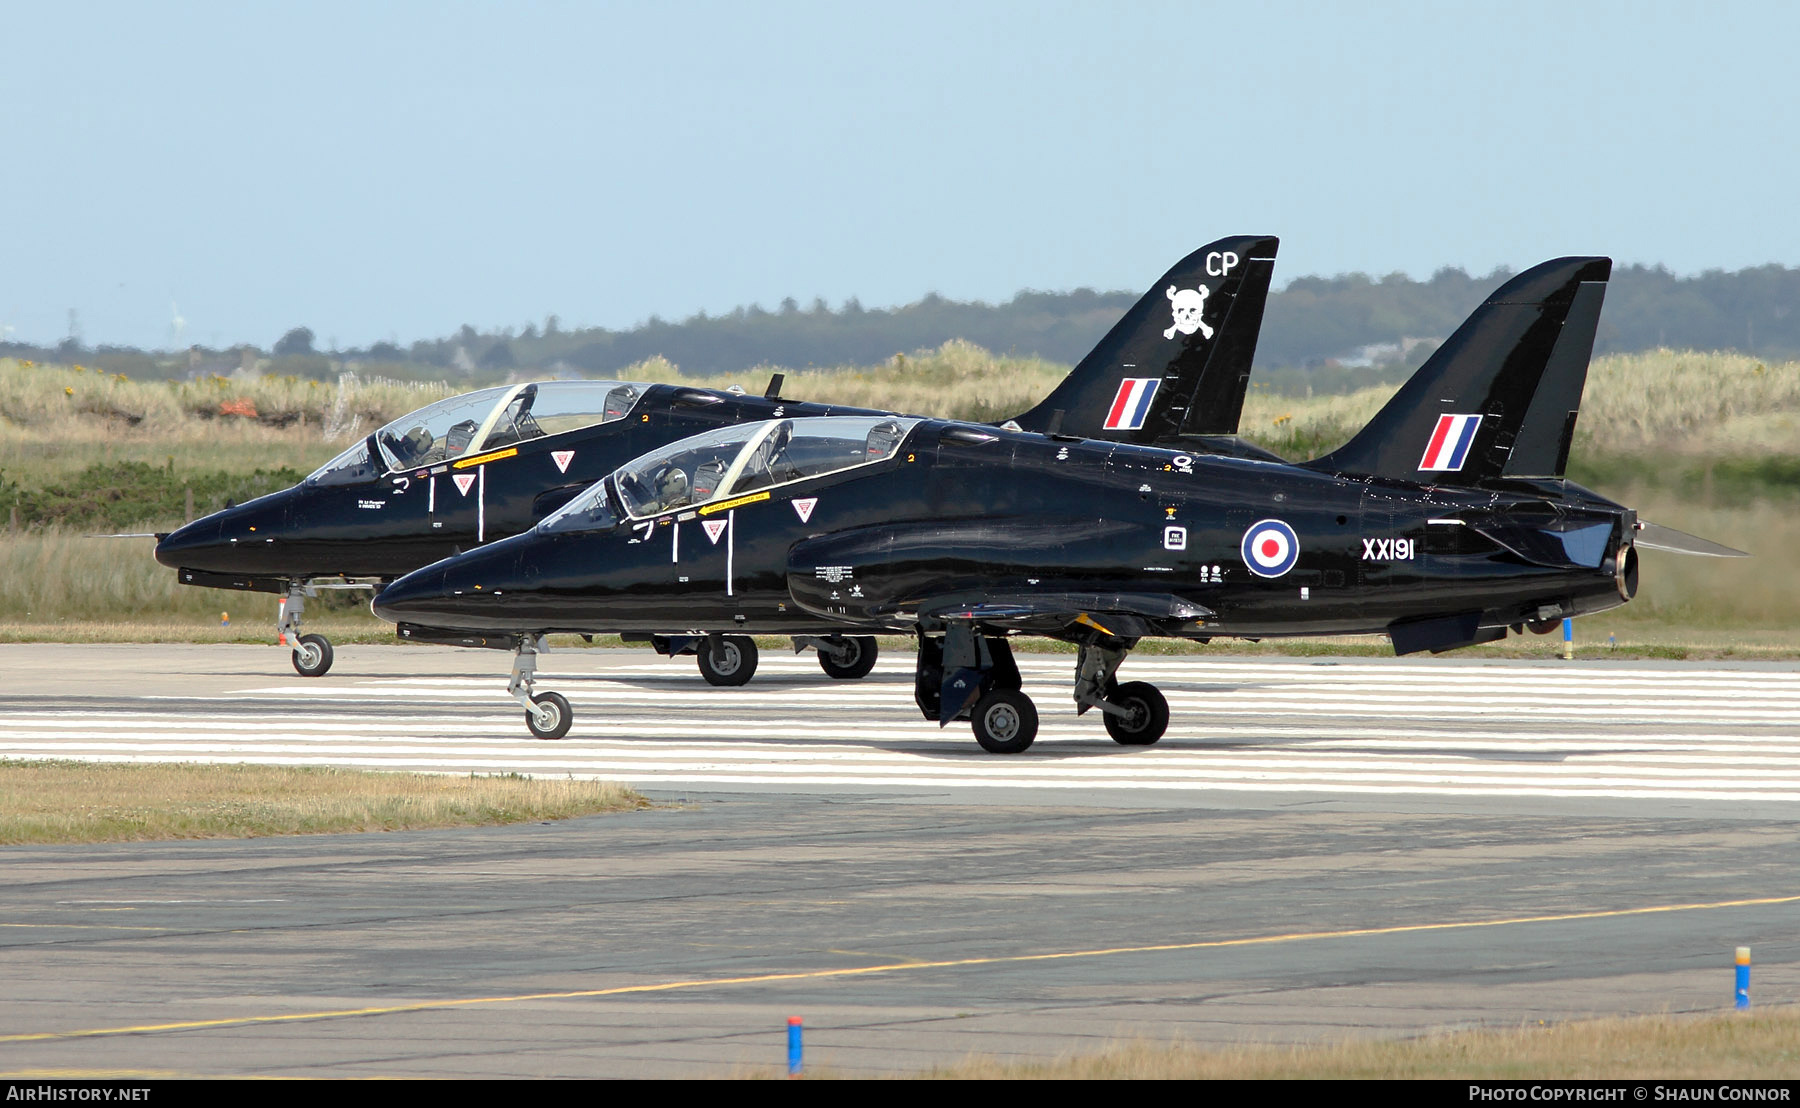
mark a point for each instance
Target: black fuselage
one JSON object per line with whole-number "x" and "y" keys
{"x": 390, "y": 524}
{"x": 960, "y": 515}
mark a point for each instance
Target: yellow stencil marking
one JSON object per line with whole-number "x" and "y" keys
{"x": 481, "y": 459}
{"x": 734, "y": 502}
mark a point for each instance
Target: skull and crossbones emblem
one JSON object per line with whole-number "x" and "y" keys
{"x": 1187, "y": 305}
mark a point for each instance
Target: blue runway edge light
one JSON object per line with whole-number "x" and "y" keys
{"x": 794, "y": 1046}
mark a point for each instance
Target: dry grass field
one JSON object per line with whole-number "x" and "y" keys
{"x": 83, "y": 802}
{"x": 1756, "y": 1045}
{"x": 1707, "y": 443}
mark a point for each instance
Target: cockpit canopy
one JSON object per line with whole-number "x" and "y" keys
{"x": 475, "y": 422}
{"x": 732, "y": 461}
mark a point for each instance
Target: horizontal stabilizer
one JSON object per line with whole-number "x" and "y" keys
{"x": 1652, "y": 536}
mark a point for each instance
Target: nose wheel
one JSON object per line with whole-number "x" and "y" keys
{"x": 312, "y": 656}
{"x": 312, "y": 653}
{"x": 549, "y": 716}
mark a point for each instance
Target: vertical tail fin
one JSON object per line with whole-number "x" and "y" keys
{"x": 1179, "y": 361}
{"x": 1500, "y": 397}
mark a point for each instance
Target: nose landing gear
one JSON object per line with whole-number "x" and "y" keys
{"x": 547, "y": 715}
{"x": 312, "y": 653}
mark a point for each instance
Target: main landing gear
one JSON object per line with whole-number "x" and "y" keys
{"x": 843, "y": 658}
{"x": 1135, "y": 713}
{"x": 725, "y": 660}
{"x": 967, "y": 675}
{"x": 730, "y": 660}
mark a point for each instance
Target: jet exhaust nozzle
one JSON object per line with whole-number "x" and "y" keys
{"x": 1625, "y": 570}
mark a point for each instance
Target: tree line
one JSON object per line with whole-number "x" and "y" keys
{"x": 1315, "y": 322}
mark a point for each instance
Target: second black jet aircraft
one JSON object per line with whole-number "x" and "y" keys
{"x": 1445, "y": 522}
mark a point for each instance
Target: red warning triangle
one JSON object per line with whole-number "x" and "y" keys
{"x": 562, "y": 458}
{"x": 714, "y": 528}
{"x": 463, "y": 481}
{"x": 803, "y": 508}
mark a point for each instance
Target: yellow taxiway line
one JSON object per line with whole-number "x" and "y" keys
{"x": 891, "y": 967}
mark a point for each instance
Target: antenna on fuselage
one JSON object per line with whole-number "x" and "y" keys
{"x": 773, "y": 392}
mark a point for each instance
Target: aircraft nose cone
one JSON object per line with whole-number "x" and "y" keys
{"x": 189, "y": 546}
{"x": 470, "y": 592}
{"x": 414, "y": 598}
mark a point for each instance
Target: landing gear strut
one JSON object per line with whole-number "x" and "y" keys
{"x": 312, "y": 653}
{"x": 1136, "y": 713}
{"x": 548, "y": 715}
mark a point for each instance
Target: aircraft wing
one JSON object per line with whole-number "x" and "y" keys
{"x": 1123, "y": 615}
{"x": 1040, "y": 575}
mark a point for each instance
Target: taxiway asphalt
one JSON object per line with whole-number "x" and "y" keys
{"x": 1316, "y": 851}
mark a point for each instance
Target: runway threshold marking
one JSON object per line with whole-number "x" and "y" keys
{"x": 890, "y": 967}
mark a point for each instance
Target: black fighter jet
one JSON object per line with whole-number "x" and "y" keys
{"x": 485, "y": 465}
{"x": 1445, "y": 522}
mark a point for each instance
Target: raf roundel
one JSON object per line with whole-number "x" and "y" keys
{"x": 1270, "y": 548}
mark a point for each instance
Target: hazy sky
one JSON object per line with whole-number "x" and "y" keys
{"x": 394, "y": 170}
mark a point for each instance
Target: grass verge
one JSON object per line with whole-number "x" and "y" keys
{"x": 94, "y": 802}
{"x": 1754, "y": 1045}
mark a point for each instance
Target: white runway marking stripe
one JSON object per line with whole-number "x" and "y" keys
{"x": 1212, "y": 734}
{"x": 1701, "y": 790}
{"x": 1111, "y": 767}
{"x": 1346, "y": 727}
